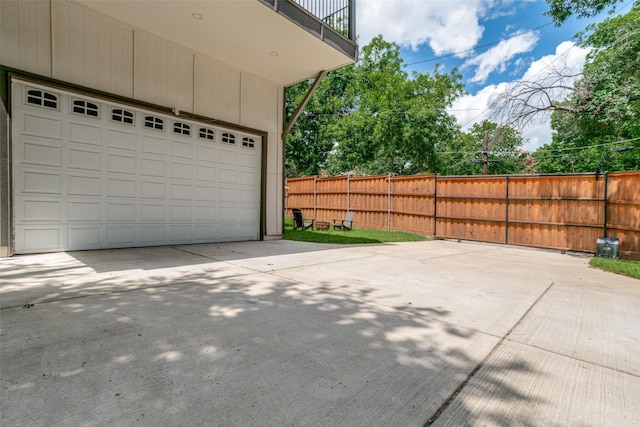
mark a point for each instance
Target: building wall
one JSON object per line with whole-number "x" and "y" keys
{"x": 64, "y": 41}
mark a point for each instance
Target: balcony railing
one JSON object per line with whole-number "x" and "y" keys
{"x": 338, "y": 14}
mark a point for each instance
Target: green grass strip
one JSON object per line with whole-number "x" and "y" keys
{"x": 351, "y": 237}
{"x": 618, "y": 266}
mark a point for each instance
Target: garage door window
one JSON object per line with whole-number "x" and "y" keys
{"x": 122, "y": 116}
{"x": 153, "y": 122}
{"x": 181, "y": 128}
{"x": 229, "y": 138}
{"x": 85, "y": 108}
{"x": 42, "y": 99}
{"x": 206, "y": 133}
{"x": 248, "y": 142}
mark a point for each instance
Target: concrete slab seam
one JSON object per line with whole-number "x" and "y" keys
{"x": 463, "y": 384}
{"x": 588, "y": 362}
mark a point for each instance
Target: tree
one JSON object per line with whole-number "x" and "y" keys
{"x": 601, "y": 111}
{"x": 396, "y": 121}
{"x": 464, "y": 155}
{"x": 372, "y": 118}
{"x": 311, "y": 139}
{"x": 605, "y": 135}
{"x": 561, "y": 10}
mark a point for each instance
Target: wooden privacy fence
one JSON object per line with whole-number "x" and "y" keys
{"x": 568, "y": 211}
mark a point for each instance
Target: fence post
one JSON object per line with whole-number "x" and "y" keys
{"x": 389, "y": 202}
{"x": 435, "y": 204}
{"x": 506, "y": 213}
{"x": 606, "y": 200}
{"x": 348, "y": 192}
{"x": 315, "y": 203}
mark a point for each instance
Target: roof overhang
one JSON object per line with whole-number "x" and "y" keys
{"x": 246, "y": 34}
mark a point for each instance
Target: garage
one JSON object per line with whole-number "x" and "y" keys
{"x": 91, "y": 173}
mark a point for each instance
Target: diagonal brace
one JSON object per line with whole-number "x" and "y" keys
{"x": 303, "y": 104}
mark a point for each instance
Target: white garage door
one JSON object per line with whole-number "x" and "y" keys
{"x": 91, "y": 174}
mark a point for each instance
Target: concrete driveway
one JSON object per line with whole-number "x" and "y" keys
{"x": 285, "y": 333}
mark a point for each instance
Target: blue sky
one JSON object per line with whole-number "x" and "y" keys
{"x": 491, "y": 42}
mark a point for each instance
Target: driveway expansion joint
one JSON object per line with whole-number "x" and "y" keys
{"x": 464, "y": 383}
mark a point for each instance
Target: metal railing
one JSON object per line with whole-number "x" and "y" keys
{"x": 338, "y": 14}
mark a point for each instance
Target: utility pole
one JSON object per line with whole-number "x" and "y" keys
{"x": 485, "y": 154}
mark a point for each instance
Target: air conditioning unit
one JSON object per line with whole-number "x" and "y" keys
{"x": 607, "y": 247}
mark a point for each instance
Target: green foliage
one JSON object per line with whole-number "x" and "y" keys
{"x": 617, "y": 266}
{"x": 561, "y": 10}
{"x": 372, "y": 118}
{"x": 311, "y": 139}
{"x": 607, "y": 102}
{"x": 463, "y": 155}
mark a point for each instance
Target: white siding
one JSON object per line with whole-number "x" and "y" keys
{"x": 217, "y": 91}
{"x": 261, "y": 101}
{"x": 163, "y": 72}
{"x": 25, "y": 35}
{"x": 92, "y": 50}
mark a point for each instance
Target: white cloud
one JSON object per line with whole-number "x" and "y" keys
{"x": 497, "y": 57}
{"x": 447, "y": 26}
{"x": 471, "y": 109}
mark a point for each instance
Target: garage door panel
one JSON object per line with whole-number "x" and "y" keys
{"x": 245, "y": 230}
{"x": 228, "y": 157}
{"x": 205, "y": 212}
{"x": 84, "y": 159}
{"x": 246, "y": 196}
{"x": 84, "y": 133}
{"x": 180, "y": 191}
{"x": 247, "y": 178}
{"x": 122, "y": 139}
{"x": 41, "y": 153}
{"x": 180, "y": 170}
{"x": 42, "y": 182}
{"x": 206, "y": 154}
{"x": 110, "y": 177}
{"x": 181, "y": 234}
{"x": 182, "y": 149}
{"x": 38, "y": 239}
{"x": 228, "y": 231}
{"x": 207, "y": 232}
{"x": 206, "y": 193}
{"x": 153, "y": 167}
{"x": 227, "y": 213}
{"x": 117, "y": 237}
{"x": 42, "y": 126}
{"x": 153, "y": 212}
{"x": 118, "y": 163}
{"x": 153, "y": 189}
{"x": 178, "y": 213}
{"x": 227, "y": 195}
{"x": 153, "y": 144}
{"x": 84, "y": 238}
{"x": 227, "y": 176}
{"x": 246, "y": 214}
{"x": 31, "y": 210}
{"x": 84, "y": 210}
{"x": 205, "y": 173}
{"x": 84, "y": 185}
{"x": 153, "y": 234}
{"x": 119, "y": 187}
{"x": 121, "y": 212}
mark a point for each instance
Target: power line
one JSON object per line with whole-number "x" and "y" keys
{"x": 513, "y": 153}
